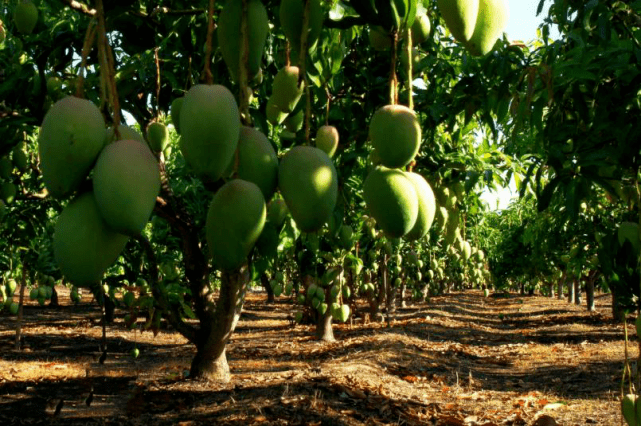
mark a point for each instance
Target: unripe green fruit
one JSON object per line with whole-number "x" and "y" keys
{"x": 395, "y": 134}
{"x": 126, "y": 182}
{"x": 421, "y": 29}
{"x": 42, "y": 292}
{"x": 128, "y": 299}
{"x": 460, "y": 17}
{"x": 291, "y": 18}
{"x": 277, "y": 212}
{"x": 467, "y": 251}
{"x": 176, "y": 106}
{"x": 309, "y": 184}
{"x": 391, "y": 199}
{"x": 11, "y": 287}
{"x": 379, "y": 39}
{"x": 346, "y": 236}
{"x": 25, "y": 16}
{"x": 490, "y": 23}
{"x": 416, "y": 58}
{"x": 301, "y": 299}
{"x": 20, "y": 159}
{"x": 6, "y": 167}
{"x": 327, "y": 139}
{"x": 234, "y": 222}
{"x": 125, "y": 132}
{"x": 278, "y": 289}
{"x": 71, "y": 138}
{"x": 230, "y": 40}
{"x": 346, "y": 292}
{"x": 135, "y": 353}
{"x": 322, "y": 308}
{"x": 13, "y": 308}
{"x": 628, "y": 409}
{"x": 257, "y": 161}
{"x": 8, "y": 192}
{"x": 158, "y": 136}
{"x": 210, "y": 126}
{"x": 83, "y": 245}
{"x": 274, "y": 113}
{"x": 54, "y": 86}
{"x": 286, "y": 90}
{"x": 426, "y": 207}
{"x": 294, "y": 121}
{"x": 34, "y": 293}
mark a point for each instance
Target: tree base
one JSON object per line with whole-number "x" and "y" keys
{"x": 209, "y": 369}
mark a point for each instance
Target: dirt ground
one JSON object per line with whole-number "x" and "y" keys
{"x": 462, "y": 360}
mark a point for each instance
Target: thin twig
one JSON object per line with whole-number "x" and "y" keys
{"x": 410, "y": 65}
{"x": 301, "y": 67}
{"x": 243, "y": 66}
{"x": 393, "y": 89}
{"x": 90, "y": 37}
{"x": 81, "y": 7}
{"x": 209, "y": 78}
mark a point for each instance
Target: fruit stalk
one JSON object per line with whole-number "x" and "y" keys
{"x": 244, "y": 57}
{"x": 301, "y": 66}
{"x": 107, "y": 70}
{"x": 209, "y": 78}
{"x": 90, "y": 37}
{"x": 410, "y": 102}
{"x": 393, "y": 82}
{"x": 23, "y": 285}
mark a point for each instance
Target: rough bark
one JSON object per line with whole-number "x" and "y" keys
{"x": 559, "y": 290}
{"x": 401, "y": 294}
{"x": 577, "y": 291}
{"x": 522, "y": 289}
{"x": 268, "y": 288}
{"x": 551, "y": 290}
{"x": 54, "y": 298}
{"x": 110, "y": 308}
{"x": 618, "y": 313}
{"x": 210, "y": 362}
{"x": 324, "y": 329}
{"x": 570, "y": 286}
{"x": 589, "y": 293}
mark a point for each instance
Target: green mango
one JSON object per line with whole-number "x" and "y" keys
{"x": 392, "y": 200}
{"x": 490, "y": 23}
{"x": 277, "y": 212}
{"x": 309, "y": 185}
{"x": 230, "y": 40}
{"x": 327, "y": 139}
{"x": 84, "y": 246}
{"x": 257, "y": 161}
{"x": 158, "y": 136}
{"x": 210, "y": 126}
{"x": 126, "y": 182}
{"x": 287, "y": 89}
{"x": 273, "y": 112}
{"x": 291, "y": 19}
{"x": 8, "y": 192}
{"x": 6, "y": 167}
{"x": 421, "y": 29}
{"x": 426, "y": 207}
{"x": 235, "y": 220}
{"x": 379, "y": 39}
{"x": 460, "y": 17}
{"x": 125, "y": 132}
{"x": 176, "y": 106}
{"x": 395, "y": 134}
{"x": 25, "y": 16}
{"x": 71, "y": 138}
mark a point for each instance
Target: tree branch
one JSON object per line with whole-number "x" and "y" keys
{"x": 81, "y": 7}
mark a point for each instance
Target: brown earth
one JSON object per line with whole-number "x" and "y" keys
{"x": 462, "y": 360}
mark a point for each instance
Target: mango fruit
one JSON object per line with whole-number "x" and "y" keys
{"x": 460, "y": 16}
{"x": 286, "y": 90}
{"x": 294, "y": 121}
{"x": 379, "y": 39}
{"x": 8, "y": 192}
{"x": 235, "y": 220}
{"x": 392, "y": 200}
{"x": 6, "y": 167}
{"x": 395, "y": 134}
{"x": 126, "y": 182}
{"x": 125, "y": 132}
{"x": 291, "y": 18}
{"x": 309, "y": 185}
{"x": 277, "y": 212}
{"x": 25, "y": 16}
{"x": 229, "y": 37}
{"x": 421, "y": 29}
{"x": 158, "y": 136}
{"x": 490, "y": 23}
{"x": 84, "y": 246}
{"x": 257, "y": 161}
{"x": 327, "y": 139}
{"x": 210, "y": 126}
{"x": 273, "y": 112}
{"x": 426, "y": 207}
{"x": 71, "y": 138}
{"x": 176, "y": 106}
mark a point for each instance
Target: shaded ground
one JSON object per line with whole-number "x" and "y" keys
{"x": 460, "y": 360}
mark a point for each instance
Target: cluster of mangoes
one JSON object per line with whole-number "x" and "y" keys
{"x": 94, "y": 226}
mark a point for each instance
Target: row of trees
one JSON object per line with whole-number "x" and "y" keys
{"x": 556, "y": 116}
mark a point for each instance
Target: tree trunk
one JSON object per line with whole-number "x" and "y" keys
{"x": 401, "y": 301}
{"x": 589, "y": 293}
{"x": 210, "y": 362}
{"x": 570, "y": 286}
{"x": 618, "y": 313}
{"x": 268, "y": 288}
{"x": 110, "y": 308}
{"x": 551, "y": 289}
{"x": 54, "y": 298}
{"x": 522, "y": 289}
{"x": 577, "y": 291}
{"x": 559, "y": 290}
{"x": 324, "y": 330}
